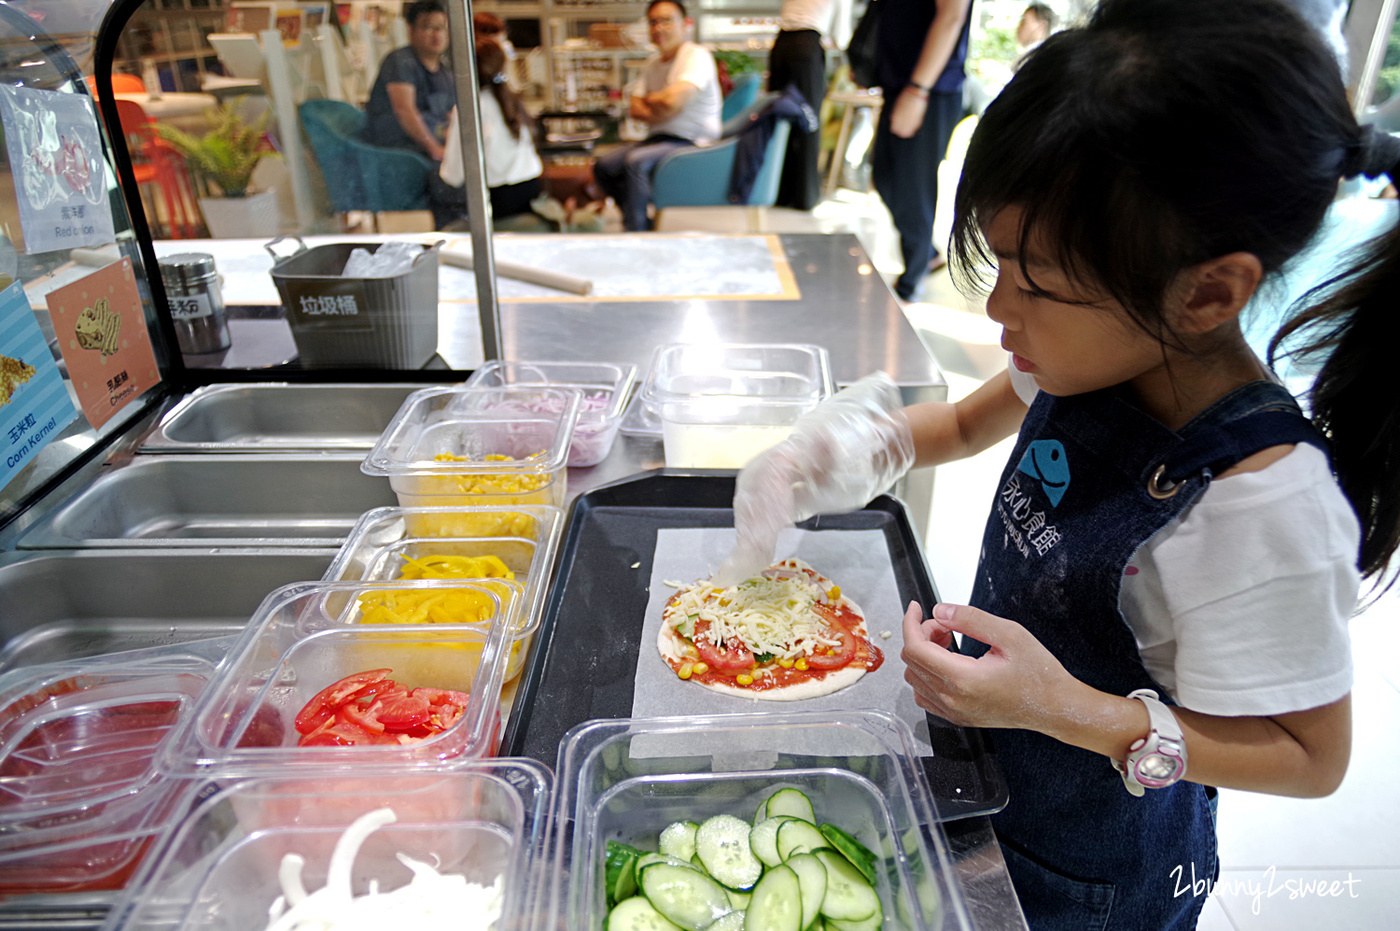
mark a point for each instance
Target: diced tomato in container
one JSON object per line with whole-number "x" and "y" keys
{"x": 310, "y": 686}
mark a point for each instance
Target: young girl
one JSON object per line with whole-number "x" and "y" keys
{"x": 1168, "y": 520}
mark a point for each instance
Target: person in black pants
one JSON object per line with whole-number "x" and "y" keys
{"x": 922, "y": 47}
{"x": 798, "y": 59}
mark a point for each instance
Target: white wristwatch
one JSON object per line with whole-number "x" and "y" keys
{"x": 1159, "y": 759}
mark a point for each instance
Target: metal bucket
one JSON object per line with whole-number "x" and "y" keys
{"x": 389, "y": 322}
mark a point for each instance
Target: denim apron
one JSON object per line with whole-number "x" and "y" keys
{"x": 1091, "y": 479}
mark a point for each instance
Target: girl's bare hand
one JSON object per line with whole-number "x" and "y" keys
{"x": 1016, "y": 683}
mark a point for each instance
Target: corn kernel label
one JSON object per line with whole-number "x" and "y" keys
{"x": 102, "y": 334}
{"x": 34, "y": 404}
{"x": 60, "y": 178}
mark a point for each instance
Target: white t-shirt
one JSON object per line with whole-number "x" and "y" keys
{"x": 832, "y": 18}
{"x": 509, "y": 159}
{"x": 1240, "y": 605}
{"x": 698, "y": 120}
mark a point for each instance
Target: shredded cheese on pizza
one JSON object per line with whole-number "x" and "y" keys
{"x": 767, "y": 615}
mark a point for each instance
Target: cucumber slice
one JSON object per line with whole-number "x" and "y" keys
{"x": 763, "y": 839}
{"x": 734, "y": 921}
{"x": 859, "y": 855}
{"x": 796, "y": 837}
{"x": 678, "y": 839}
{"x": 777, "y": 902}
{"x": 848, "y": 896}
{"x": 637, "y": 914}
{"x": 624, "y": 885}
{"x": 811, "y": 879}
{"x": 874, "y": 923}
{"x": 738, "y": 900}
{"x": 619, "y": 871}
{"x": 790, "y": 802}
{"x": 722, "y": 843}
{"x": 683, "y": 895}
{"x": 647, "y": 859}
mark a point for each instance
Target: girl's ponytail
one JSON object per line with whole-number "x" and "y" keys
{"x": 1355, "y": 399}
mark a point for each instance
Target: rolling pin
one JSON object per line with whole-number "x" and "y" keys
{"x": 540, "y": 276}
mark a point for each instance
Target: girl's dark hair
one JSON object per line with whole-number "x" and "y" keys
{"x": 1168, "y": 132}
{"x": 490, "y": 73}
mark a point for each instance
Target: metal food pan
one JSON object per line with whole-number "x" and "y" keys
{"x": 207, "y": 500}
{"x": 276, "y": 417}
{"x": 70, "y": 604}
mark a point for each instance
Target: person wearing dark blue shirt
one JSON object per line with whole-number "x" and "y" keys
{"x": 921, "y": 47}
{"x": 415, "y": 91}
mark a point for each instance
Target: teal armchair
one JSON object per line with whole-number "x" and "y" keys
{"x": 741, "y": 96}
{"x": 699, "y": 176}
{"x": 360, "y": 176}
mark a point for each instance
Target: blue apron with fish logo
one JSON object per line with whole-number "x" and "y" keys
{"x": 1091, "y": 479}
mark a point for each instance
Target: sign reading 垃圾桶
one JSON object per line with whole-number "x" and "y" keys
{"x": 56, "y": 163}
{"x": 34, "y": 404}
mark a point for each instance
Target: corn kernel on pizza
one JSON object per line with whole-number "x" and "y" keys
{"x": 785, "y": 635}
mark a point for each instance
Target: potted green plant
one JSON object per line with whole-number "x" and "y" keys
{"x": 223, "y": 161}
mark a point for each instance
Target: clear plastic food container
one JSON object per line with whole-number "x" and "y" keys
{"x": 718, "y": 405}
{"x": 478, "y": 446}
{"x": 725, "y": 432}
{"x": 219, "y": 870}
{"x": 390, "y": 544}
{"x": 627, "y": 780}
{"x": 605, "y": 389}
{"x": 81, "y": 796}
{"x": 307, "y": 637}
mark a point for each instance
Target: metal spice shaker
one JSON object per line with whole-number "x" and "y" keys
{"x": 196, "y": 303}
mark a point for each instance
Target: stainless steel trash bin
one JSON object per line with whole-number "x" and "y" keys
{"x": 389, "y": 322}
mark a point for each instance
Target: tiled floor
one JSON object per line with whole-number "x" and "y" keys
{"x": 1287, "y": 864}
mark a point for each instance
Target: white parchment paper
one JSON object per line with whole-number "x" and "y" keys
{"x": 856, "y": 560}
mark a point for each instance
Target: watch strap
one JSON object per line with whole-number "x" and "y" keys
{"x": 1163, "y": 721}
{"x": 1162, "y": 725}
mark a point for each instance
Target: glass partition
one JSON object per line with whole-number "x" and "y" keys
{"x": 82, "y": 351}
{"x": 264, "y": 137}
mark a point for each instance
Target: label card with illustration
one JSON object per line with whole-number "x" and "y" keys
{"x": 102, "y": 335}
{"x": 34, "y": 404}
{"x": 56, "y": 161}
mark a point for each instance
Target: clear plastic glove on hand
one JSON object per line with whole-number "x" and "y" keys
{"x": 853, "y": 446}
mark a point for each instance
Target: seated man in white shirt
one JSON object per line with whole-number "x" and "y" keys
{"x": 679, "y": 100}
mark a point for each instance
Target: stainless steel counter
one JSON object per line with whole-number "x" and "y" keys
{"x": 836, "y": 300}
{"x": 832, "y": 297}
{"x": 843, "y": 305}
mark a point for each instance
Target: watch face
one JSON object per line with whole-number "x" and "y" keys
{"x": 1159, "y": 769}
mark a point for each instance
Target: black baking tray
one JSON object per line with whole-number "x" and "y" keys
{"x": 583, "y": 660}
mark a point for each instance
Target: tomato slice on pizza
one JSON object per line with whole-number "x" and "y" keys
{"x": 785, "y": 635}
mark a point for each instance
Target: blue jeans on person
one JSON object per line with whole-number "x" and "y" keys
{"x": 905, "y": 174}
{"x": 625, "y": 175}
